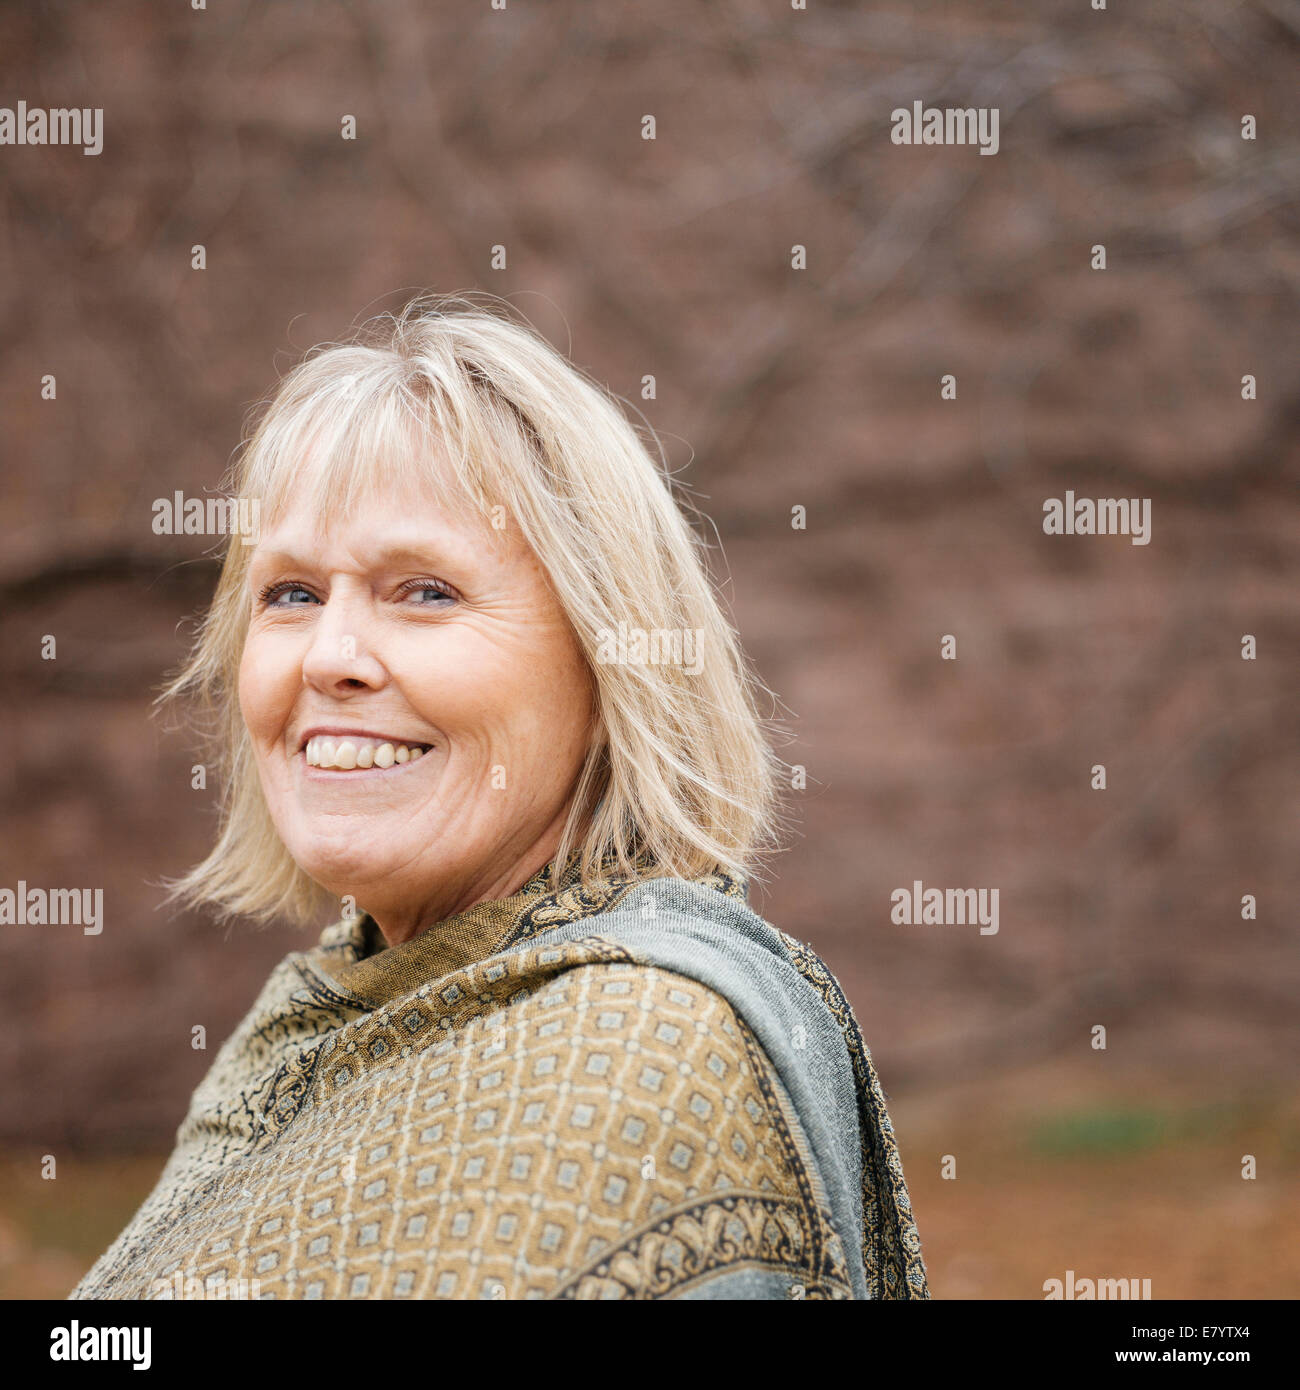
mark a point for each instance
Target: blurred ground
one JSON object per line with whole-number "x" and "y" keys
{"x": 775, "y": 388}
{"x": 1113, "y": 1182}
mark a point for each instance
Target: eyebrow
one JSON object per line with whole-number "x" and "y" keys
{"x": 390, "y": 557}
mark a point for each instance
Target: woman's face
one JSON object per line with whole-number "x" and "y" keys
{"x": 408, "y": 626}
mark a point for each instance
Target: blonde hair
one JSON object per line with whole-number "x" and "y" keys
{"x": 680, "y": 778}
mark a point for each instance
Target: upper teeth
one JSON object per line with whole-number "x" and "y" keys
{"x": 347, "y": 753}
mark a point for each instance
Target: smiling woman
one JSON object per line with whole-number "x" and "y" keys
{"x": 408, "y": 754}
{"x": 547, "y": 1050}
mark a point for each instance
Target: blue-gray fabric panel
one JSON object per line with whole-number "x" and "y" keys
{"x": 698, "y": 932}
{"x": 752, "y": 1284}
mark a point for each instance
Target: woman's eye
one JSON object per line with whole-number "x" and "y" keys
{"x": 428, "y": 595}
{"x": 282, "y": 595}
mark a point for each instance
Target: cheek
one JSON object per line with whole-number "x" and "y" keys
{"x": 528, "y": 702}
{"x": 266, "y": 688}
{"x": 555, "y": 706}
{"x": 574, "y": 707}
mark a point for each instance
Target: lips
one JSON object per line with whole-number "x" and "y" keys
{"x": 347, "y": 751}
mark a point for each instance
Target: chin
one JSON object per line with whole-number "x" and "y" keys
{"x": 340, "y": 868}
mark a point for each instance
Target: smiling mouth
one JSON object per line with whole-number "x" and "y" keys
{"x": 349, "y": 754}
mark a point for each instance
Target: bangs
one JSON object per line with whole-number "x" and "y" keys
{"x": 354, "y": 425}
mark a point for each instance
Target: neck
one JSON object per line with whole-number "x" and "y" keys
{"x": 400, "y": 922}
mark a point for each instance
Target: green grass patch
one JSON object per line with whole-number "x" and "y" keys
{"x": 1122, "y": 1130}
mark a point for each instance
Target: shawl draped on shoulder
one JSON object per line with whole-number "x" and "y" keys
{"x": 641, "y": 1090}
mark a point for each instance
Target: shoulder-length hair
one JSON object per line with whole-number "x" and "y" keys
{"x": 679, "y": 779}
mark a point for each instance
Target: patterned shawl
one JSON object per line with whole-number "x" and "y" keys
{"x": 638, "y": 1091}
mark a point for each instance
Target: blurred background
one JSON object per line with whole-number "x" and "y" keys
{"x": 776, "y": 387}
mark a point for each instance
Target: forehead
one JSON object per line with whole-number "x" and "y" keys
{"x": 397, "y": 525}
{"x": 364, "y": 487}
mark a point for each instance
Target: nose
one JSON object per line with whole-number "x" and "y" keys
{"x": 341, "y": 659}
